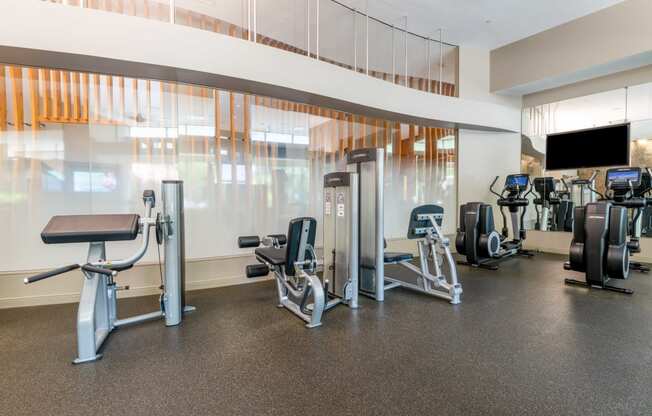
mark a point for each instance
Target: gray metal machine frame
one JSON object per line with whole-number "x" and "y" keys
{"x": 97, "y": 312}
{"x": 339, "y": 281}
{"x": 369, "y": 164}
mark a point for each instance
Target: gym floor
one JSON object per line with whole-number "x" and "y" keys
{"x": 520, "y": 343}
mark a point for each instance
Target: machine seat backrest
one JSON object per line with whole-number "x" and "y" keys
{"x": 301, "y": 234}
{"x": 419, "y": 228}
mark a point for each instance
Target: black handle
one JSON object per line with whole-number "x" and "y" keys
{"x": 248, "y": 241}
{"x": 149, "y": 194}
{"x": 51, "y": 273}
{"x": 280, "y": 238}
{"x": 93, "y": 269}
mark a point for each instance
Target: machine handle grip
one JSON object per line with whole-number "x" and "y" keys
{"x": 51, "y": 273}
{"x": 491, "y": 187}
{"x": 92, "y": 269}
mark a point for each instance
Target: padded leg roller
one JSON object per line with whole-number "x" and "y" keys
{"x": 257, "y": 270}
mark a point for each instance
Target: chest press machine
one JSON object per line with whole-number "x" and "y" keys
{"x": 97, "y": 312}
{"x": 424, "y": 226}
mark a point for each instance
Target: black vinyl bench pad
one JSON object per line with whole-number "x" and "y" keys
{"x": 390, "y": 257}
{"x": 62, "y": 229}
{"x": 272, "y": 255}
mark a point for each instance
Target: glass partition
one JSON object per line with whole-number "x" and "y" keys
{"x": 284, "y": 24}
{"x": 338, "y": 35}
{"x": 381, "y": 59}
{"x": 228, "y": 17}
{"x": 91, "y": 143}
{"x": 325, "y": 29}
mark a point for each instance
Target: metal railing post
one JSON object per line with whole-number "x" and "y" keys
{"x": 367, "y": 36}
{"x": 441, "y": 59}
{"x": 255, "y": 15}
{"x": 249, "y": 20}
{"x": 355, "y": 40}
{"x": 308, "y": 26}
{"x": 393, "y": 55}
{"x": 406, "y": 50}
{"x": 429, "y": 66}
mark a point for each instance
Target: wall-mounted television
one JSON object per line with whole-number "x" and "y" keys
{"x": 590, "y": 148}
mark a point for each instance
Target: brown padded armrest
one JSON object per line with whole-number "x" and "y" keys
{"x": 64, "y": 229}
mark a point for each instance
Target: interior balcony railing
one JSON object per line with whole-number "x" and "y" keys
{"x": 327, "y": 30}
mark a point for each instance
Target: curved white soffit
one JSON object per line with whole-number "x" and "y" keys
{"x": 38, "y": 33}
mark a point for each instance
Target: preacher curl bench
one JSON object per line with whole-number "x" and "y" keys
{"x": 97, "y": 313}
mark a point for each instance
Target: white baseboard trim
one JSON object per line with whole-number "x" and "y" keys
{"x": 133, "y": 292}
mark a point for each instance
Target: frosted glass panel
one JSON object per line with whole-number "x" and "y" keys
{"x": 92, "y": 143}
{"x": 229, "y": 17}
{"x": 283, "y": 24}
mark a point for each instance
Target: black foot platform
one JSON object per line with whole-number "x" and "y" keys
{"x": 487, "y": 266}
{"x": 582, "y": 283}
{"x": 638, "y": 267}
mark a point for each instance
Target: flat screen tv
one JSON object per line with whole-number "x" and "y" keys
{"x": 591, "y": 148}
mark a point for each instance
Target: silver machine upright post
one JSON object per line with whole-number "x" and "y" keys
{"x": 369, "y": 164}
{"x": 174, "y": 299}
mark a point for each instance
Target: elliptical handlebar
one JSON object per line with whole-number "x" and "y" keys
{"x": 593, "y": 175}
{"x": 530, "y": 188}
{"x": 491, "y": 187}
{"x": 595, "y": 191}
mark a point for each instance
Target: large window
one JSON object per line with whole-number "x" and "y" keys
{"x": 89, "y": 143}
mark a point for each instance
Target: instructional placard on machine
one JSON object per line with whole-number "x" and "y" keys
{"x": 340, "y": 204}
{"x": 328, "y": 204}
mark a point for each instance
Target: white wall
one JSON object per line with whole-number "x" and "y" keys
{"x": 484, "y": 155}
{"x": 608, "y": 41}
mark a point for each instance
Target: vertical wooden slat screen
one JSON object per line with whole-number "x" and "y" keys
{"x": 76, "y": 97}
{"x": 232, "y": 136}
{"x": 85, "y": 87}
{"x": 96, "y": 97}
{"x": 33, "y": 97}
{"x": 3, "y": 99}
{"x": 65, "y": 96}
{"x": 55, "y": 83}
{"x": 45, "y": 103}
{"x": 109, "y": 98}
{"x": 16, "y": 75}
{"x": 246, "y": 130}
{"x": 122, "y": 100}
{"x": 135, "y": 101}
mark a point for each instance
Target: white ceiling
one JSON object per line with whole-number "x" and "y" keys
{"x": 481, "y": 23}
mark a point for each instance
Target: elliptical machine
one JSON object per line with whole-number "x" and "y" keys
{"x": 547, "y": 199}
{"x": 563, "y": 212}
{"x": 627, "y": 188}
{"x": 477, "y": 238}
{"x": 599, "y": 246}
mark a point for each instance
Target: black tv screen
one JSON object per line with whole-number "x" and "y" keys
{"x": 591, "y": 148}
